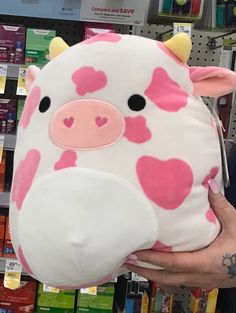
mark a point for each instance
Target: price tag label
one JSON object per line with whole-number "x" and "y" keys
{"x": 3, "y": 78}
{"x": 113, "y": 280}
{"x": 12, "y": 275}
{"x": 21, "y": 88}
{"x": 47, "y": 288}
{"x": 183, "y": 28}
{"x": 90, "y": 291}
{"x": 138, "y": 278}
{"x": 1, "y": 146}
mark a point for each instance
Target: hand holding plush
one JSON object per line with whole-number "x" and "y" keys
{"x": 113, "y": 152}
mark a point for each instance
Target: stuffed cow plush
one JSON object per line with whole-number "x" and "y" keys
{"x": 114, "y": 152}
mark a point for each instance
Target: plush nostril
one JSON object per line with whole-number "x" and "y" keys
{"x": 68, "y": 122}
{"x": 101, "y": 120}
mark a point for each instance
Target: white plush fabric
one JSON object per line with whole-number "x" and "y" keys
{"x": 78, "y": 213}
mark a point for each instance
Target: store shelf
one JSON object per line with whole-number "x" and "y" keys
{"x": 4, "y": 199}
{"x": 9, "y": 141}
{"x": 3, "y": 265}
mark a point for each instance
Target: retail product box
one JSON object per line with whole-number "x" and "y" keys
{"x": 92, "y": 29}
{"x": 2, "y": 232}
{"x": 169, "y": 11}
{"x": 8, "y": 250}
{"x": 8, "y": 116}
{"x": 12, "y": 44}
{"x": 55, "y": 9}
{"x": 21, "y": 300}
{"x": 62, "y": 302}
{"x": 127, "y": 12}
{"x": 100, "y": 303}
{"x": 137, "y": 296}
{"x": 203, "y": 301}
{"x": 37, "y": 46}
{"x": 2, "y": 171}
{"x": 20, "y": 107}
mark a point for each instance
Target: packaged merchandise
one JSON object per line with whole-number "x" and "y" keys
{"x": 2, "y": 171}
{"x": 225, "y": 13}
{"x": 8, "y": 250}
{"x": 20, "y": 107}
{"x": 170, "y": 11}
{"x": 137, "y": 298}
{"x": 62, "y": 302}
{"x": 92, "y": 29}
{"x": 203, "y": 301}
{"x": 37, "y": 46}
{"x": 12, "y": 44}
{"x": 94, "y": 131}
{"x": 2, "y": 231}
{"x": 102, "y": 302}
{"x": 8, "y": 116}
{"x": 21, "y": 300}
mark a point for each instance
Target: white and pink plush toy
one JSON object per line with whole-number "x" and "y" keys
{"x": 114, "y": 152}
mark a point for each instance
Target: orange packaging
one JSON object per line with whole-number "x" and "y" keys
{"x": 2, "y": 232}
{"x": 8, "y": 250}
{"x": 2, "y": 171}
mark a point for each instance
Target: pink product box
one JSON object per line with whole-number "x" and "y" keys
{"x": 92, "y": 29}
{"x": 8, "y": 109}
{"x": 12, "y": 44}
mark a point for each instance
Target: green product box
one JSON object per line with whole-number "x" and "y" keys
{"x": 62, "y": 302}
{"x": 100, "y": 303}
{"x": 20, "y": 107}
{"x": 37, "y": 46}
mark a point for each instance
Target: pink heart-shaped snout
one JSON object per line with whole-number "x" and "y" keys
{"x": 101, "y": 120}
{"x": 68, "y": 122}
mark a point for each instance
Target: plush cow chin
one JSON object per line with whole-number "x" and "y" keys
{"x": 113, "y": 155}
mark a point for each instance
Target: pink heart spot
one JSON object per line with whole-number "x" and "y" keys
{"x": 68, "y": 122}
{"x": 167, "y": 183}
{"x": 100, "y": 121}
{"x": 67, "y": 159}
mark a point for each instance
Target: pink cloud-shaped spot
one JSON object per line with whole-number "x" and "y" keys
{"x": 24, "y": 176}
{"x": 210, "y": 216}
{"x": 67, "y": 159}
{"x": 213, "y": 173}
{"x": 136, "y": 129}
{"x": 88, "y": 80}
{"x": 160, "y": 246}
{"x": 165, "y": 92}
{"x": 106, "y": 37}
{"x": 31, "y": 103}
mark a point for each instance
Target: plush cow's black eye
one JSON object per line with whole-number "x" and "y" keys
{"x": 44, "y": 104}
{"x": 136, "y": 103}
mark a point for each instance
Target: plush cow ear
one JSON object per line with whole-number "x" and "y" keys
{"x": 212, "y": 81}
{"x": 31, "y": 74}
{"x": 56, "y": 47}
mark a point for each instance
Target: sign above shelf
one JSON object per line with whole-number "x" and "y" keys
{"x": 126, "y": 12}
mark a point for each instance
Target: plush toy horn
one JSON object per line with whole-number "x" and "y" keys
{"x": 180, "y": 45}
{"x": 56, "y": 47}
